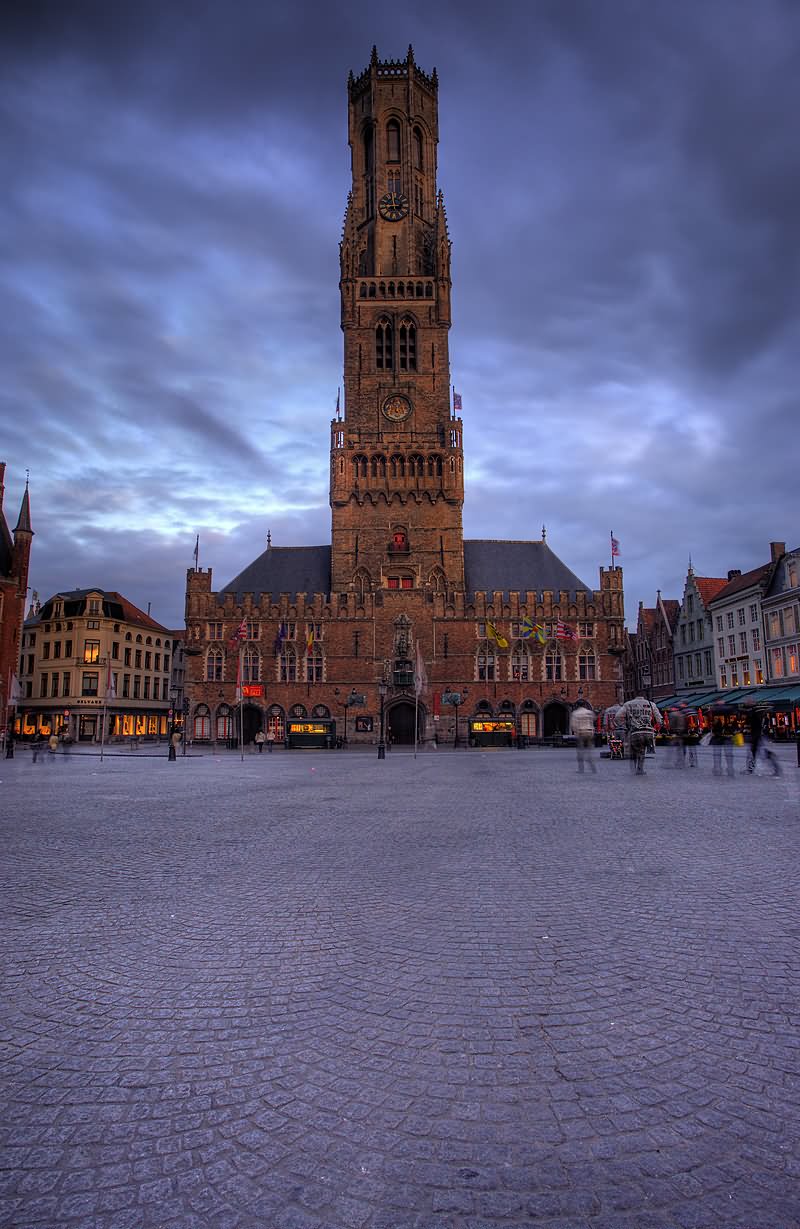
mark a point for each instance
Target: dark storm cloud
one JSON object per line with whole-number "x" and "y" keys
{"x": 622, "y": 183}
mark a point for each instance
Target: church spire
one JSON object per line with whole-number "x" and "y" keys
{"x": 23, "y": 524}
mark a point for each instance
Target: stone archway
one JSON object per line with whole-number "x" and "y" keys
{"x": 400, "y": 723}
{"x": 555, "y": 719}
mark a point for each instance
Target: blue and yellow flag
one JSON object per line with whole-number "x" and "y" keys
{"x": 493, "y": 634}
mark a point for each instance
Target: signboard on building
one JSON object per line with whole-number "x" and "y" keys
{"x": 253, "y": 691}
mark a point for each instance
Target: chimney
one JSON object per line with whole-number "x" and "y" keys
{"x": 734, "y": 572}
{"x": 776, "y": 549}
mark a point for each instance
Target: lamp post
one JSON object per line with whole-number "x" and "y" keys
{"x": 382, "y": 689}
{"x": 456, "y": 698}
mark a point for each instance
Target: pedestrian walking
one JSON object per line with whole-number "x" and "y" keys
{"x": 678, "y": 728}
{"x": 52, "y": 744}
{"x": 721, "y": 744}
{"x": 259, "y": 740}
{"x": 641, "y": 719}
{"x": 270, "y": 740}
{"x": 581, "y": 724}
{"x": 756, "y": 724}
{"x": 36, "y": 746}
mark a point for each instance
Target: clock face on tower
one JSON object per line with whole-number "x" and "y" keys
{"x": 393, "y": 206}
{"x": 396, "y": 408}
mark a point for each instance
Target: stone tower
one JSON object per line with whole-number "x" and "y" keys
{"x": 397, "y": 480}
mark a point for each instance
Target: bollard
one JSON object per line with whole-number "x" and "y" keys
{"x": 171, "y": 755}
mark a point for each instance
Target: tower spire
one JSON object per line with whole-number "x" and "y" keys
{"x": 23, "y": 524}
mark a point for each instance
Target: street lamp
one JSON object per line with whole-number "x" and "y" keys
{"x": 456, "y": 698}
{"x": 382, "y": 689}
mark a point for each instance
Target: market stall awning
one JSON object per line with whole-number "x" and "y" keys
{"x": 781, "y": 697}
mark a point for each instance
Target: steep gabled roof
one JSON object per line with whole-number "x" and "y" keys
{"x": 283, "y": 569}
{"x": 115, "y": 606}
{"x": 516, "y": 567}
{"x": 672, "y": 609}
{"x": 756, "y": 576}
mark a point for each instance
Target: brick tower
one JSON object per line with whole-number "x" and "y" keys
{"x": 397, "y": 480}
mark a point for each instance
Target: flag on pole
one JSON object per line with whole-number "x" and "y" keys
{"x": 14, "y": 690}
{"x": 310, "y": 640}
{"x": 240, "y": 633}
{"x": 456, "y": 402}
{"x": 565, "y": 632}
{"x": 111, "y": 688}
{"x": 614, "y": 546}
{"x": 281, "y": 636}
{"x": 338, "y": 394}
{"x": 493, "y": 634}
{"x": 196, "y": 552}
{"x": 420, "y": 673}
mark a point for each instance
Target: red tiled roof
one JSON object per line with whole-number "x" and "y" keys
{"x": 709, "y": 586}
{"x": 745, "y": 581}
{"x": 647, "y": 617}
{"x": 672, "y": 609}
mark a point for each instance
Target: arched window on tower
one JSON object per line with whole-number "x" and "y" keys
{"x": 362, "y": 584}
{"x": 369, "y": 171}
{"x": 418, "y": 147}
{"x": 393, "y": 141}
{"x": 383, "y": 345}
{"x": 408, "y": 344}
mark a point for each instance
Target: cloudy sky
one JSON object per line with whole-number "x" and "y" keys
{"x": 622, "y": 182}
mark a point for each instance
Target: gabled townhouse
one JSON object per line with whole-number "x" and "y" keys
{"x": 693, "y": 635}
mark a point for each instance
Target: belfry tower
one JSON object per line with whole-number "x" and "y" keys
{"x": 397, "y": 475}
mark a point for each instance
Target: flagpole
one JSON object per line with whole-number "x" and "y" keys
{"x": 612, "y": 548}
{"x": 241, "y": 706}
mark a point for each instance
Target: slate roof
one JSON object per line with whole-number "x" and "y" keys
{"x": 115, "y": 606}
{"x": 489, "y": 566}
{"x": 516, "y": 567}
{"x": 672, "y": 609}
{"x": 283, "y": 569}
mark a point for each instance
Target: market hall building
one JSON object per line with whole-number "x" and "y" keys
{"x": 310, "y": 635}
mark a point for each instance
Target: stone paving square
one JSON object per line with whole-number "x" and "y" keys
{"x": 473, "y": 989}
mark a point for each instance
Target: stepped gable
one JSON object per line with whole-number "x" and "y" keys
{"x": 283, "y": 569}
{"x": 517, "y": 567}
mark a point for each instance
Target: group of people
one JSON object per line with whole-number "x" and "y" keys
{"x": 261, "y": 738}
{"x": 639, "y": 720}
{"x": 47, "y": 747}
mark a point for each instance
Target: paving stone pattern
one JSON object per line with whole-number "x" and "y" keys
{"x": 468, "y": 990}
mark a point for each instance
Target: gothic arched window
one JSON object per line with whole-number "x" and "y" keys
{"x": 383, "y": 345}
{"x": 487, "y": 663}
{"x": 224, "y": 722}
{"x": 520, "y": 665}
{"x": 418, "y": 149}
{"x": 288, "y": 664}
{"x": 586, "y": 665}
{"x": 398, "y": 466}
{"x": 393, "y": 141}
{"x": 215, "y": 663}
{"x": 202, "y": 722}
{"x": 553, "y": 666}
{"x": 315, "y": 664}
{"x": 251, "y": 666}
{"x": 408, "y": 345}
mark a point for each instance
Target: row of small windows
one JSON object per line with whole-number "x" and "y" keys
{"x": 522, "y": 666}
{"x": 292, "y": 665}
{"x": 396, "y": 290}
{"x": 397, "y": 466}
{"x": 224, "y": 721}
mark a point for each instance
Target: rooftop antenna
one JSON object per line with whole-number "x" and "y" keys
{"x": 269, "y": 539}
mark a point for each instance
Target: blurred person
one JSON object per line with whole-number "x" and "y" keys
{"x": 641, "y": 720}
{"x": 757, "y": 736}
{"x": 581, "y": 724}
{"x": 721, "y": 742}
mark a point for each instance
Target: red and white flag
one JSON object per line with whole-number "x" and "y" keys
{"x": 241, "y": 632}
{"x": 614, "y": 546}
{"x": 111, "y": 686}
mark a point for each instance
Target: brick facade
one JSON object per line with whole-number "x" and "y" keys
{"x": 398, "y": 574}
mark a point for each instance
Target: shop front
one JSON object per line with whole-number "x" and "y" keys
{"x": 492, "y": 731}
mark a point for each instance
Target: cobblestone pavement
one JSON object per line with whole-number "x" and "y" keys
{"x": 472, "y": 989}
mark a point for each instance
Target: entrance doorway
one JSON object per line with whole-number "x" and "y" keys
{"x": 555, "y": 719}
{"x": 252, "y": 722}
{"x": 400, "y": 723}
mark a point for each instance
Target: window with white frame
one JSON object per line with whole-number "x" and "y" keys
{"x": 520, "y": 664}
{"x": 202, "y": 723}
{"x": 553, "y": 666}
{"x": 251, "y": 666}
{"x": 586, "y": 665}
{"x": 288, "y": 664}
{"x": 486, "y": 664}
